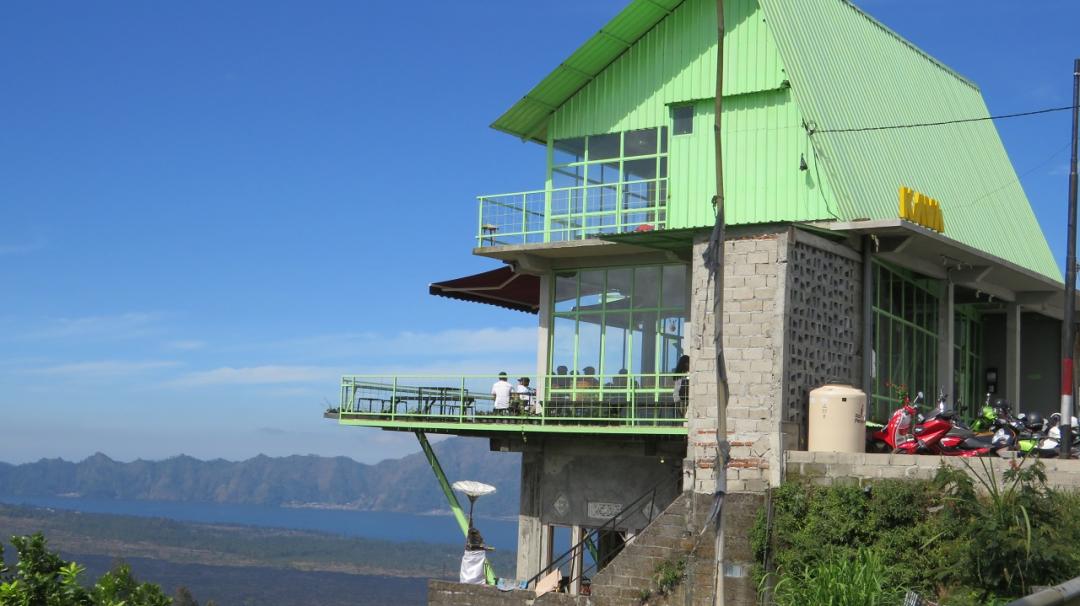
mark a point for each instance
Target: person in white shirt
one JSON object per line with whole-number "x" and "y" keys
{"x": 501, "y": 390}
{"x": 524, "y": 395}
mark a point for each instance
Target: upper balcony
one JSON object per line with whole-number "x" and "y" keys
{"x": 570, "y": 404}
{"x": 572, "y": 213}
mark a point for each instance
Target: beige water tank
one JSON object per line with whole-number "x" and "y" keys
{"x": 837, "y": 419}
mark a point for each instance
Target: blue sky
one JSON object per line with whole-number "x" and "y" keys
{"x": 209, "y": 211}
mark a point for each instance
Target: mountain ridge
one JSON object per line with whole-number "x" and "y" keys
{"x": 406, "y": 484}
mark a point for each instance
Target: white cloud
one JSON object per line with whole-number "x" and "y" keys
{"x": 120, "y": 326}
{"x": 259, "y": 375}
{"x": 102, "y": 368}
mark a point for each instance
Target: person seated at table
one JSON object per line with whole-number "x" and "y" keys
{"x": 524, "y": 396}
{"x": 501, "y": 391}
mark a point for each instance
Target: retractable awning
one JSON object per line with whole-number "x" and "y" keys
{"x": 501, "y": 287}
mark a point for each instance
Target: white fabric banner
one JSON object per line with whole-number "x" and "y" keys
{"x": 472, "y": 567}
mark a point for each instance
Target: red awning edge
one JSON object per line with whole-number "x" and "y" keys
{"x": 501, "y": 287}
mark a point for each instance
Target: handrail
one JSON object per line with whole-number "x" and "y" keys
{"x": 1065, "y": 594}
{"x": 572, "y": 213}
{"x": 622, "y": 399}
{"x": 634, "y": 508}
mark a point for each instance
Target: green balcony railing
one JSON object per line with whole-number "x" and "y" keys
{"x": 561, "y": 404}
{"x": 572, "y": 213}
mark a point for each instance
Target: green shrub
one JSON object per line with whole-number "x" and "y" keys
{"x": 865, "y": 580}
{"x": 941, "y": 538}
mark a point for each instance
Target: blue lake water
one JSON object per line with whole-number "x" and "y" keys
{"x": 389, "y": 526}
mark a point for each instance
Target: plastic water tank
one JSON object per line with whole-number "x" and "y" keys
{"x": 837, "y": 419}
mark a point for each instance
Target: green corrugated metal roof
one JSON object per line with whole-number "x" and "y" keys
{"x": 849, "y": 71}
{"x": 846, "y": 70}
{"x": 528, "y": 117}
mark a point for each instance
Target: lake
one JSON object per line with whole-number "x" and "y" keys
{"x": 400, "y": 527}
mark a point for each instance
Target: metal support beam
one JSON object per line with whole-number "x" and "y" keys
{"x": 1012, "y": 355}
{"x": 946, "y": 339}
{"x": 867, "y": 318}
{"x": 577, "y": 560}
{"x": 451, "y": 498}
{"x": 971, "y": 275}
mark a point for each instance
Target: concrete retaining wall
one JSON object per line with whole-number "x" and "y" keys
{"x": 829, "y": 468}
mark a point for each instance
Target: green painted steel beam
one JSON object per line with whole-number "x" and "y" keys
{"x": 511, "y": 427}
{"x": 451, "y": 498}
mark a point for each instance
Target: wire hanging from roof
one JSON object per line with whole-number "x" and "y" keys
{"x": 811, "y": 128}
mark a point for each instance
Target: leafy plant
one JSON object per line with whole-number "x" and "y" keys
{"x": 865, "y": 580}
{"x": 43, "y": 578}
{"x": 966, "y": 537}
{"x": 669, "y": 574}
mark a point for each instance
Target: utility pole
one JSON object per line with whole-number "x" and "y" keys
{"x": 714, "y": 262}
{"x": 1068, "y": 332}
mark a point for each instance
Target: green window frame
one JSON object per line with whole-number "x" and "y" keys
{"x": 905, "y": 326}
{"x": 607, "y": 183}
{"x": 967, "y": 359}
{"x": 619, "y": 319}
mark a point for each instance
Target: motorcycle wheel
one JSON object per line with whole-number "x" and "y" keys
{"x": 899, "y": 451}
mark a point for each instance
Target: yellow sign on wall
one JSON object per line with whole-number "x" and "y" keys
{"x": 921, "y": 209}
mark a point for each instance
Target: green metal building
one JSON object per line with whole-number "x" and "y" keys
{"x": 870, "y": 257}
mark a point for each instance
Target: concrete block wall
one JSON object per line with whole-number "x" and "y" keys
{"x": 829, "y": 468}
{"x": 755, "y": 276}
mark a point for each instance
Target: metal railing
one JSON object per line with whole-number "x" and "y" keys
{"x": 642, "y": 400}
{"x": 1065, "y": 594}
{"x": 572, "y": 213}
{"x": 572, "y": 563}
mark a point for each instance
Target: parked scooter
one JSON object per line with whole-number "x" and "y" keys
{"x": 942, "y": 433}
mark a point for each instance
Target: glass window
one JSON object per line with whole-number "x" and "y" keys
{"x": 647, "y": 287}
{"x": 592, "y": 288}
{"x": 603, "y": 147}
{"x": 568, "y": 176}
{"x": 639, "y": 170}
{"x": 682, "y": 120}
{"x": 565, "y": 291}
{"x": 615, "y": 321}
{"x": 639, "y": 143}
{"x": 674, "y": 292}
{"x": 569, "y": 150}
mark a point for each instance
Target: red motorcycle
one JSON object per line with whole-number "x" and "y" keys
{"x": 940, "y": 434}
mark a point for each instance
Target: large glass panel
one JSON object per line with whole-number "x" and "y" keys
{"x": 639, "y": 170}
{"x": 646, "y": 287}
{"x": 639, "y": 143}
{"x": 619, "y": 288}
{"x": 603, "y": 147}
{"x": 616, "y": 344}
{"x": 671, "y": 337}
{"x": 565, "y": 291}
{"x": 568, "y": 176}
{"x": 674, "y": 289}
{"x": 569, "y": 150}
{"x": 588, "y": 347}
{"x": 643, "y": 352}
{"x": 592, "y": 290}
{"x": 563, "y": 335}
{"x": 603, "y": 173}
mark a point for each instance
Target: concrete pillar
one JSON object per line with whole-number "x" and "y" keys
{"x": 547, "y": 545}
{"x": 1012, "y": 355}
{"x": 543, "y": 335}
{"x": 578, "y": 559}
{"x": 530, "y": 530}
{"x": 946, "y": 339}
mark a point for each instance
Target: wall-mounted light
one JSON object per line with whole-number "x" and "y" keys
{"x": 802, "y": 162}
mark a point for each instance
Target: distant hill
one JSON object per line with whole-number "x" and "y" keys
{"x": 405, "y": 485}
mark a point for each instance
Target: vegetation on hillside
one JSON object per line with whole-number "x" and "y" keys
{"x": 958, "y": 540}
{"x": 230, "y": 545}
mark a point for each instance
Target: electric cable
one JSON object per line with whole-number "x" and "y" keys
{"x": 814, "y": 131}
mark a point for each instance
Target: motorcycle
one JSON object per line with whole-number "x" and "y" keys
{"x": 942, "y": 433}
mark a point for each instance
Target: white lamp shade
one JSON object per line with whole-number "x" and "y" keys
{"x": 473, "y": 489}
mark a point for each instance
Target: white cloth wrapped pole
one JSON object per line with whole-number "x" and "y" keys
{"x": 472, "y": 567}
